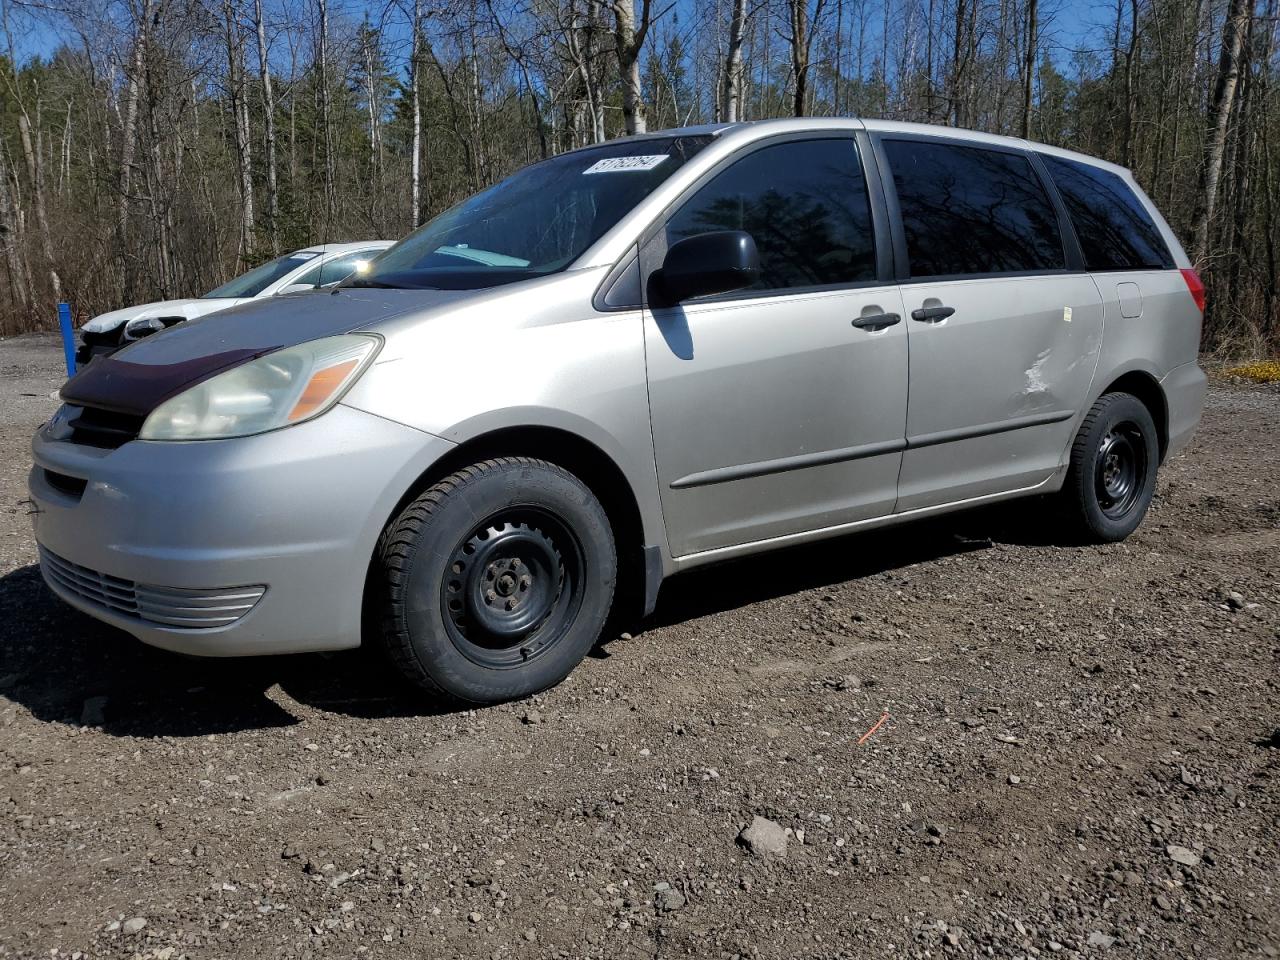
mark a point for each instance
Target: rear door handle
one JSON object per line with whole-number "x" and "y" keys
{"x": 877, "y": 321}
{"x": 932, "y": 314}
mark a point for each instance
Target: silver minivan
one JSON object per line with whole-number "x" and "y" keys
{"x": 616, "y": 365}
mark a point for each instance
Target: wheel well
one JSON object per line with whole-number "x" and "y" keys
{"x": 1147, "y": 389}
{"x": 580, "y": 457}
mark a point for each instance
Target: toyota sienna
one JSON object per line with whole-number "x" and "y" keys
{"x": 618, "y": 364}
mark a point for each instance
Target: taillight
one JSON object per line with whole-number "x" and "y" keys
{"x": 1195, "y": 287}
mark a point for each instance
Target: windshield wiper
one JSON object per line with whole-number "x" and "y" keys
{"x": 382, "y": 285}
{"x": 385, "y": 285}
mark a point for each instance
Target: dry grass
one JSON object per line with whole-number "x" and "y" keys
{"x": 1259, "y": 371}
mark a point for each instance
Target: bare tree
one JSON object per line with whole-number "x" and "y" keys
{"x": 629, "y": 34}
{"x": 1224, "y": 94}
{"x": 19, "y": 278}
{"x": 801, "y": 29}
{"x": 731, "y": 92}
{"x": 128, "y": 141}
{"x": 1029, "y": 65}
{"x": 325, "y": 97}
{"x": 269, "y": 128}
{"x": 172, "y": 159}
{"x": 236, "y": 95}
{"x": 415, "y": 84}
{"x": 35, "y": 172}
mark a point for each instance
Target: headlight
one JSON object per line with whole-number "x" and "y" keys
{"x": 276, "y": 390}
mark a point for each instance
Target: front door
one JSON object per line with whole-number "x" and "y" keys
{"x": 780, "y": 409}
{"x": 1004, "y": 336}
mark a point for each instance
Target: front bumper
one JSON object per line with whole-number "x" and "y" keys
{"x": 180, "y": 527}
{"x": 86, "y": 353}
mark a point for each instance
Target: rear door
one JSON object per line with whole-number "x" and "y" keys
{"x": 779, "y": 409}
{"x": 1004, "y": 326}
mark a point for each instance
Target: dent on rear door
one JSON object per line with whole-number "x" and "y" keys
{"x": 1016, "y": 349}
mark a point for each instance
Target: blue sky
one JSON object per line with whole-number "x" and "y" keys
{"x": 1067, "y": 27}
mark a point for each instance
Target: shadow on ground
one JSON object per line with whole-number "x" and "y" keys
{"x": 66, "y": 667}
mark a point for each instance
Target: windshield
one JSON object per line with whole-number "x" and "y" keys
{"x": 259, "y": 278}
{"x": 537, "y": 221}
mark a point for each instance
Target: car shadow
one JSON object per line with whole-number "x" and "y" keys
{"x": 65, "y": 667}
{"x": 766, "y": 576}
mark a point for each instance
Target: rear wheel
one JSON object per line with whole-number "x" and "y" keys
{"x": 497, "y": 580}
{"x": 1112, "y": 475}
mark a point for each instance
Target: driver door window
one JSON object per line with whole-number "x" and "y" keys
{"x": 804, "y": 203}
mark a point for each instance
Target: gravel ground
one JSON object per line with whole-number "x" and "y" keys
{"x": 1080, "y": 756}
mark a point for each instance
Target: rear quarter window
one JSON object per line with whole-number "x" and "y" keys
{"x": 1114, "y": 228}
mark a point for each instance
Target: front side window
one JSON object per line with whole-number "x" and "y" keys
{"x": 1115, "y": 230}
{"x": 259, "y": 278}
{"x": 804, "y": 203}
{"x": 966, "y": 210}
{"x": 536, "y": 222}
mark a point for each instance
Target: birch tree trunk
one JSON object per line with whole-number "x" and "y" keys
{"x": 35, "y": 173}
{"x": 731, "y": 95}
{"x": 322, "y": 67}
{"x": 10, "y": 236}
{"x": 415, "y": 78}
{"x": 373, "y": 103}
{"x": 240, "y": 114}
{"x": 1224, "y": 94}
{"x": 269, "y": 129}
{"x": 629, "y": 39}
{"x": 128, "y": 144}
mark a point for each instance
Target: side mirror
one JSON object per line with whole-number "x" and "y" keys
{"x": 709, "y": 263}
{"x": 143, "y": 327}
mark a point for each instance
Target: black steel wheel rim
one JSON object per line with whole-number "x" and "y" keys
{"x": 1120, "y": 469}
{"x": 512, "y": 587}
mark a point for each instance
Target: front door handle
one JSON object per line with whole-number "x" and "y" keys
{"x": 876, "y": 321}
{"x": 932, "y": 314}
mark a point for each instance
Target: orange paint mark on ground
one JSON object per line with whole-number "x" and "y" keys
{"x": 879, "y": 723}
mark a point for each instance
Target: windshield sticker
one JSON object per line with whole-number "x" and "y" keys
{"x": 626, "y": 164}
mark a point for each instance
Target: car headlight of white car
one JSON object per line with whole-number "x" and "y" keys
{"x": 277, "y": 390}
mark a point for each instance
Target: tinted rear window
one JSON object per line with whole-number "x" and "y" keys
{"x": 967, "y": 210}
{"x": 1116, "y": 232}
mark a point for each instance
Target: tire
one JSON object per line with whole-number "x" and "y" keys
{"x": 1112, "y": 474}
{"x": 496, "y": 581}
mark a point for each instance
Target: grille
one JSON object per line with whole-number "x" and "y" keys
{"x": 166, "y": 606}
{"x": 96, "y": 427}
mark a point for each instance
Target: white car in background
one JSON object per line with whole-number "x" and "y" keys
{"x": 312, "y": 268}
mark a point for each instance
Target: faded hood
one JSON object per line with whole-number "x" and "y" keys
{"x": 140, "y": 377}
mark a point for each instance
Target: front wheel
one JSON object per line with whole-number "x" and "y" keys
{"x": 497, "y": 580}
{"x": 1112, "y": 475}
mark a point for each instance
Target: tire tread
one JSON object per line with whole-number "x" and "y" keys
{"x": 395, "y": 548}
{"x": 1079, "y": 482}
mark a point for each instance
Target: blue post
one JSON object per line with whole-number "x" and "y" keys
{"x": 68, "y": 337}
